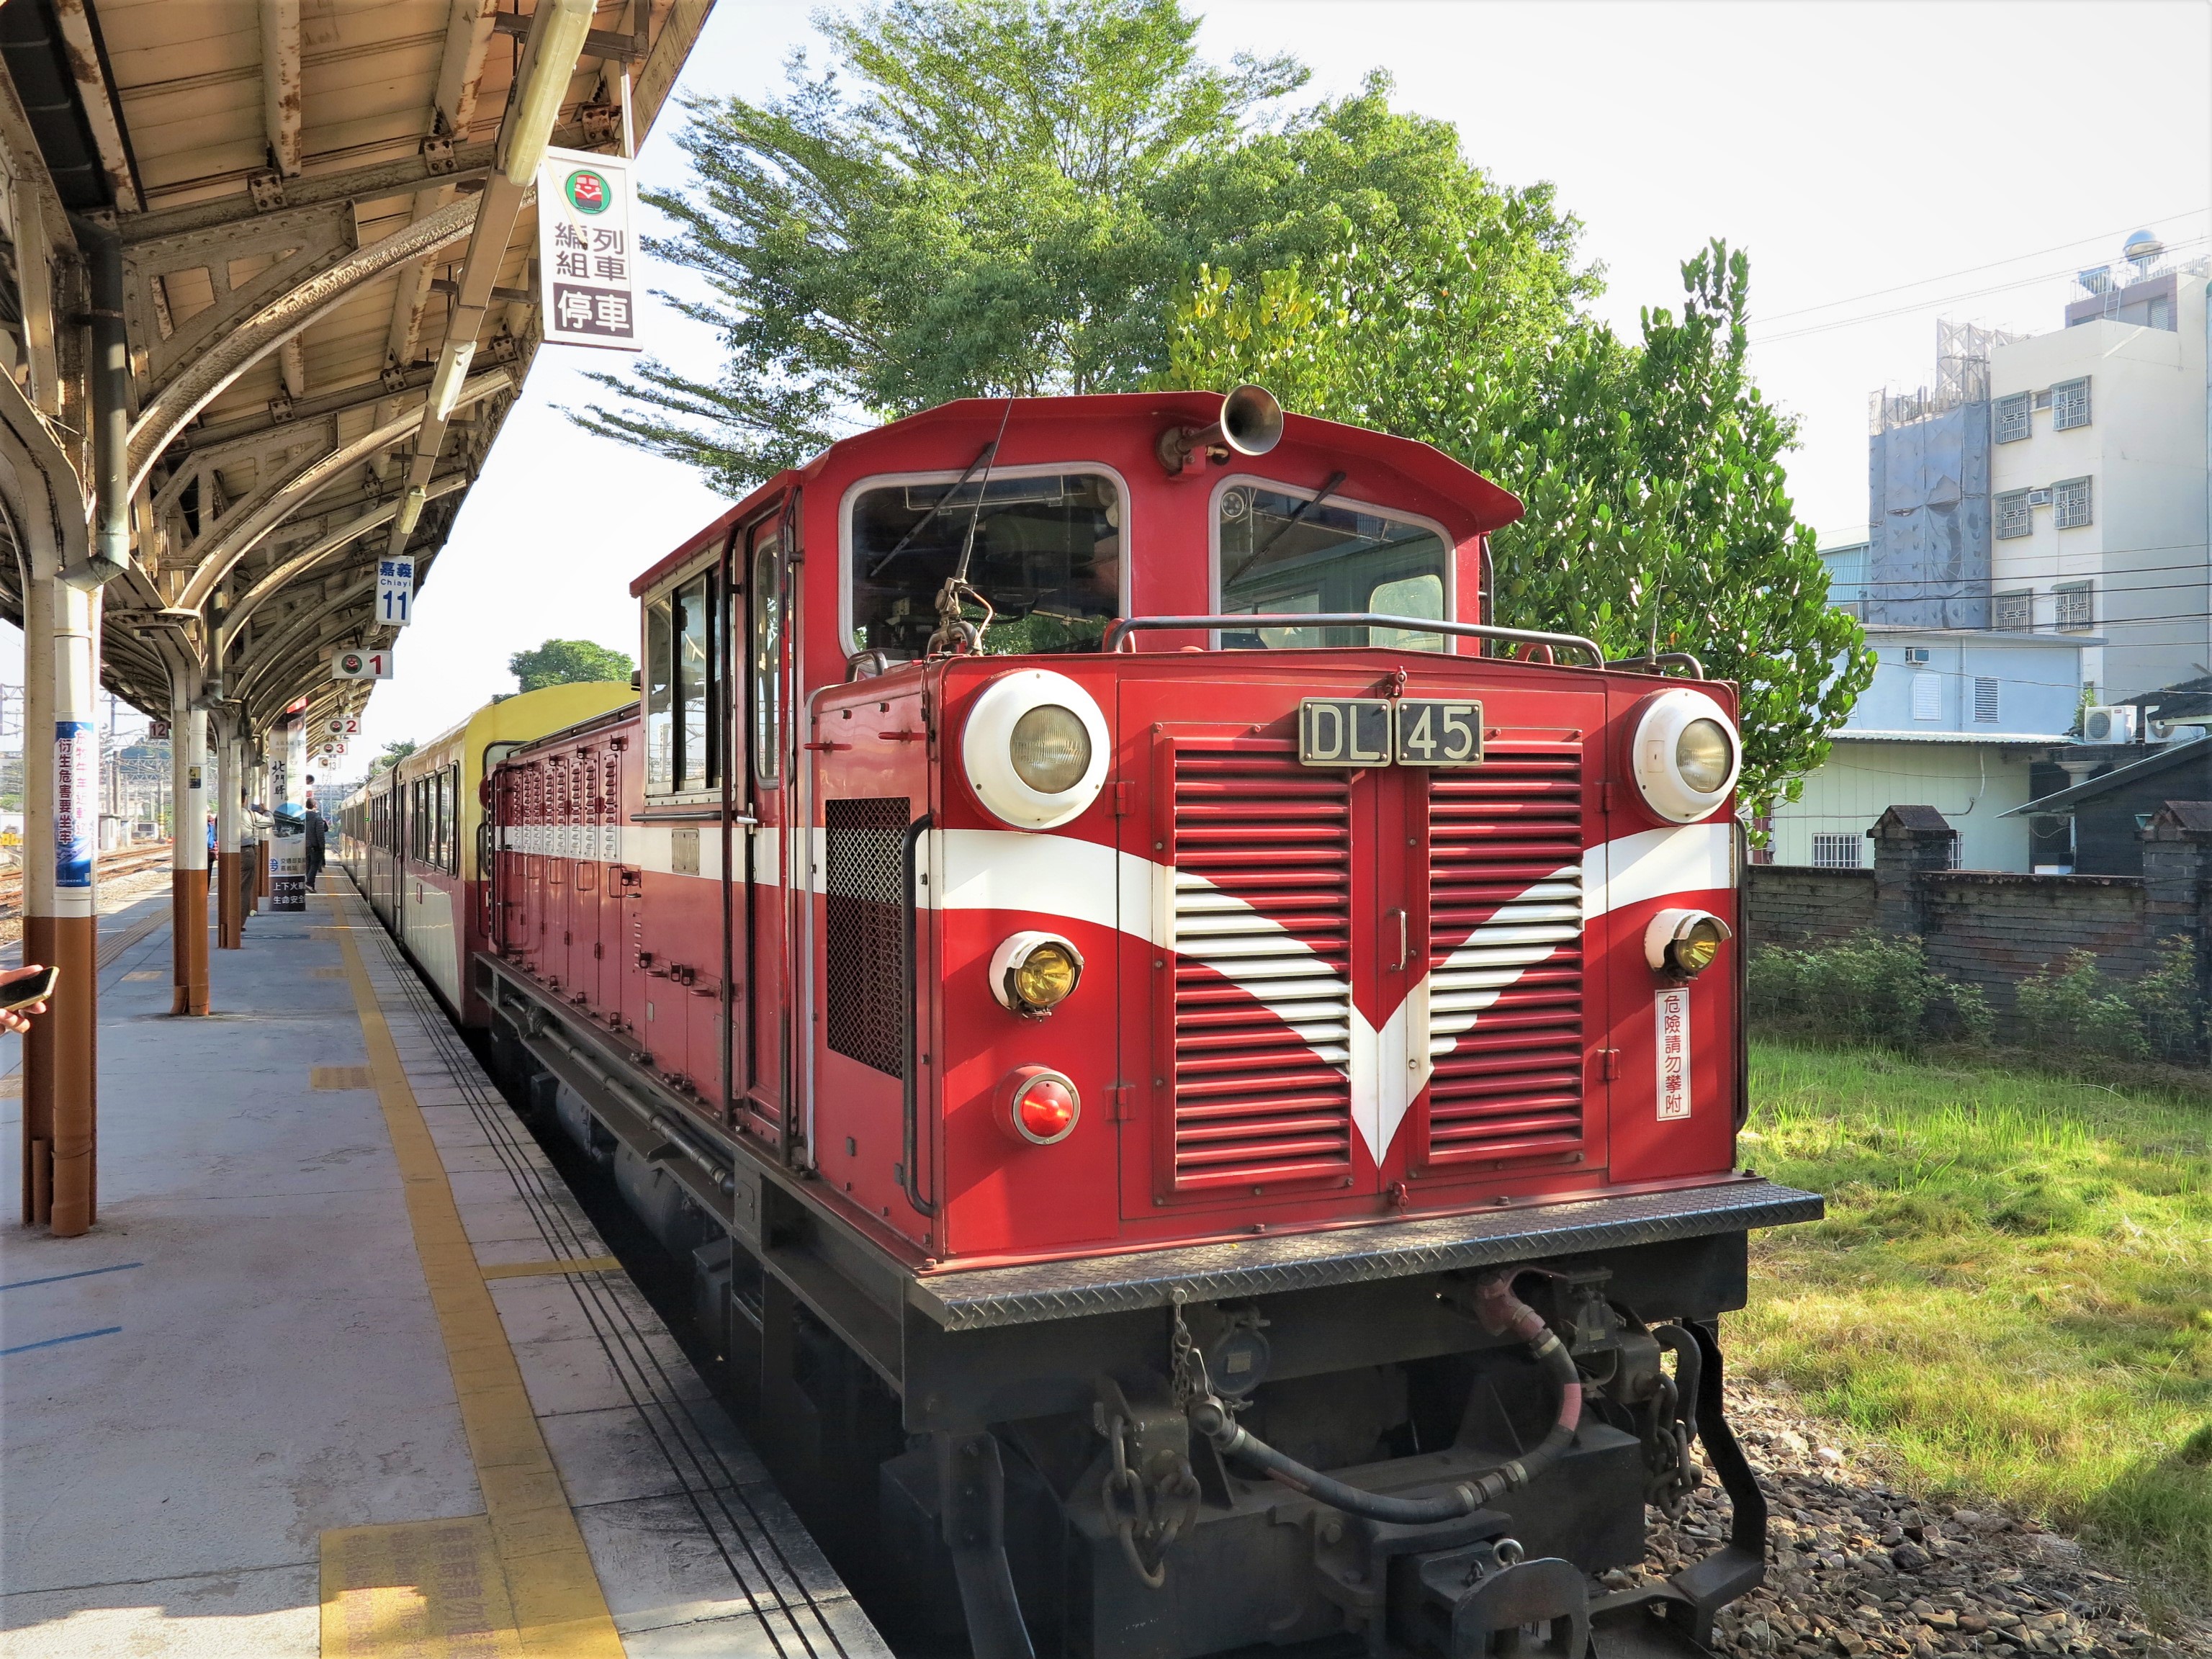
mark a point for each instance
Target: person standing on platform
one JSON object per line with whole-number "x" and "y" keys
{"x": 314, "y": 848}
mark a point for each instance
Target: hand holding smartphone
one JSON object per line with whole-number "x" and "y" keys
{"x": 24, "y": 992}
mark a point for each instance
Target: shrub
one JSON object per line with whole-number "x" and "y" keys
{"x": 2167, "y": 1001}
{"x": 2078, "y": 1009}
{"x": 1868, "y": 988}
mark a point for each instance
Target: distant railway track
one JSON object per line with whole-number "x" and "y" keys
{"x": 129, "y": 861}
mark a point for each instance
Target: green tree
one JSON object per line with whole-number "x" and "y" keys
{"x": 1657, "y": 514}
{"x": 393, "y": 754}
{"x": 568, "y": 662}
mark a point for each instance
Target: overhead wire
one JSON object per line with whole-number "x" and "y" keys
{"x": 1970, "y": 270}
{"x": 1940, "y": 300}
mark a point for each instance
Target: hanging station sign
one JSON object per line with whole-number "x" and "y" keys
{"x": 362, "y": 664}
{"x": 587, "y": 250}
{"x": 395, "y": 591}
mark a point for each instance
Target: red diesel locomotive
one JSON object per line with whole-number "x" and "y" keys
{"x": 1198, "y": 1076}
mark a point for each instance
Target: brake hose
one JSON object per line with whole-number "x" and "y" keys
{"x": 1502, "y": 1314}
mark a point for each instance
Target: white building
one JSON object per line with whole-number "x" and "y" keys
{"x": 1955, "y": 719}
{"x": 2098, "y": 474}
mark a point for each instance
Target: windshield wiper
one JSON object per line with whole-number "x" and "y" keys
{"x": 904, "y": 541}
{"x": 1305, "y": 506}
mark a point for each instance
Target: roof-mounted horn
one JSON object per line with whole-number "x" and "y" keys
{"x": 1250, "y": 423}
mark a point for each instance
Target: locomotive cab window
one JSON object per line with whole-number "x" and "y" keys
{"x": 682, "y": 733}
{"x": 1281, "y": 551}
{"x": 1046, "y": 560}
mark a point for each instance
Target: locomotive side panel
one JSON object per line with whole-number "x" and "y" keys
{"x": 870, "y": 758}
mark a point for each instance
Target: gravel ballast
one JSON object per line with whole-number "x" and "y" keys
{"x": 1857, "y": 1567}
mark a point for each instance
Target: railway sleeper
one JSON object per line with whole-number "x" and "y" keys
{"x": 1041, "y": 1488}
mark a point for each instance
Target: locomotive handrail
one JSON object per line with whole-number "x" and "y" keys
{"x": 1696, "y": 669}
{"x": 1118, "y": 634}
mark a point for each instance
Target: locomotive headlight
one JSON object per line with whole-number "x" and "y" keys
{"x": 1684, "y": 754}
{"x": 1049, "y": 749}
{"x": 1682, "y": 943}
{"x": 1035, "y": 749}
{"x": 1038, "y": 1106}
{"x": 1704, "y": 755}
{"x": 1035, "y": 972}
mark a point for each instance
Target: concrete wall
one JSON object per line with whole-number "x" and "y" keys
{"x": 1972, "y": 784}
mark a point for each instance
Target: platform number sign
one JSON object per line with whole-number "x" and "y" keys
{"x": 587, "y": 250}
{"x": 395, "y": 591}
{"x": 362, "y": 665}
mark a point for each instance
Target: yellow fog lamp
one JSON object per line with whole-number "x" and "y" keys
{"x": 1682, "y": 943}
{"x": 1035, "y": 972}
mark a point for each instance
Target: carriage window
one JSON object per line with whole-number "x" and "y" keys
{"x": 694, "y": 626}
{"x": 659, "y": 714}
{"x": 1048, "y": 557}
{"x": 1281, "y": 553}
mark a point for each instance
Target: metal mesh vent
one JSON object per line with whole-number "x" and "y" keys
{"x": 863, "y": 941}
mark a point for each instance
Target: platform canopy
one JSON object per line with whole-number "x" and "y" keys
{"x": 312, "y": 214}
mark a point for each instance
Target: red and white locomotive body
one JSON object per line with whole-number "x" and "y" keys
{"x": 1084, "y": 884}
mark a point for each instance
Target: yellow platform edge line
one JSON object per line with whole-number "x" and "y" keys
{"x": 553, "y": 1602}
{"x": 574, "y": 1264}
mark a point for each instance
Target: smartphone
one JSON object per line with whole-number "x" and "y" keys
{"x": 26, "y": 985}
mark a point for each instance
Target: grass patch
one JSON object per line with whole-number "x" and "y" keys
{"x": 2013, "y": 1287}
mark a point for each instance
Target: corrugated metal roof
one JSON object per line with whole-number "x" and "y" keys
{"x": 244, "y": 146}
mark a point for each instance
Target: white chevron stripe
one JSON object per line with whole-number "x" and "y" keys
{"x": 1388, "y": 1067}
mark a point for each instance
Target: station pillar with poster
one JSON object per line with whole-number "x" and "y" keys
{"x": 288, "y": 789}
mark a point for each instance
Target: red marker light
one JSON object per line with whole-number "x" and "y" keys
{"x": 1040, "y": 1106}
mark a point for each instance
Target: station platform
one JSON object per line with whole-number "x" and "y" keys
{"x": 344, "y": 1369}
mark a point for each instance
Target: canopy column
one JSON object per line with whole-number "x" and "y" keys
{"x": 188, "y": 868}
{"x": 229, "y": 816}
{"x": 61, "y": 781}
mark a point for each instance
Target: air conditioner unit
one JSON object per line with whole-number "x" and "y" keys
{"x": 2107, "y": 722}
{"x": 1917, "y": 655}
{"x": 2173, "y": 731}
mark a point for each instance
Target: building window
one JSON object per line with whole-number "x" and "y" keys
{"x": 2077, "y": 609}
{"x": 1985, "y": 700}
{"x": 2015, "y": 417}
{"x": 2069, "y": 499}
{"x": 1837, "y": 852}
{"x": 2013, "y": 516}
{"x": 2069, "y": 405}
{"x": 2015, "y": 612}
{"x": 1927, "y": 697}
{"x": 1955, "y": 852}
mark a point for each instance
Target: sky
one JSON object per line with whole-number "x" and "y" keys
{"x": 1884, "y": 165}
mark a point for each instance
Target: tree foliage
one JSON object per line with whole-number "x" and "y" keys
{"x": 568, "y": 662}
{"x": 393, "y": 754}
{"x": 1657, "y": 514}
{"x": 985, "y": 197}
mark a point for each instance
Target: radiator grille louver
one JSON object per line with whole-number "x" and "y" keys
{"x": 1261, "y": 845}
{"x": 864, "y": 944}
{"x": 1505, "y": 930}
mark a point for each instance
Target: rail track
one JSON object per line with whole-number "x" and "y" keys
{"x": 126, "y": 861}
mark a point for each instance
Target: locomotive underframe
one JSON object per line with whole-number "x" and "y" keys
{"x": 967, "y": 1417}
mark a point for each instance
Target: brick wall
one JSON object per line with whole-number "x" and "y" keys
{"x": 1994, "y": 929}
{"x": 1997, "y": 930}
{"x": 1788, "y": 904}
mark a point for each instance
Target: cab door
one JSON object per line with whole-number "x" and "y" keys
{"x": 769, "y": 853}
